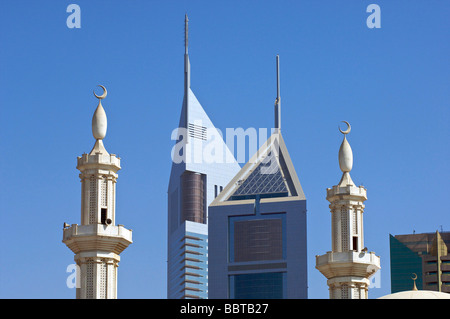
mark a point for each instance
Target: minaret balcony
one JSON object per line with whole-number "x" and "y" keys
{"x": 348, "y": 263}
{"x": 96, "y": 161}
{"x": 348, "y": 192}
{"x": 81, "y": 238}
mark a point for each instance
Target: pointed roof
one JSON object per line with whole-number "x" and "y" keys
{"x": 268, "y": 174}
{"x": 266, "y": 178}
{"x": 202, "y": 131}
{"x": 195, "y": 131}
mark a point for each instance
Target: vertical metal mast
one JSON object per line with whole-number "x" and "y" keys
{"x": 438, "y": 260}
{"x": 187, "y": 72}
{"x": 278, "y": 100}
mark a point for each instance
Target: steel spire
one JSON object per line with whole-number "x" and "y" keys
{"x": 278, "y": 100}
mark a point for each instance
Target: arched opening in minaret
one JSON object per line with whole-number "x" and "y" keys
{"x": 355, "y": 243}
{"x": 104, "y": 214}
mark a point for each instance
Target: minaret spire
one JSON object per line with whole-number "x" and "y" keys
{"x": 345, "y": 158}
{"x": 349, "y": 265}
{"x": 187, "y": 72}
{"x": 99, "y": 124}
{"x": 278, "y": 100}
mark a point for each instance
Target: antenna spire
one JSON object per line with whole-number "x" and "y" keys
{"x": 186, "y": 27}
{"x": 187, "y": 72}
{"x": 278, "y": 100}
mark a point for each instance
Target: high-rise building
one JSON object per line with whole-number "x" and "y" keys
{"x": 257, "y": 227}
{"x": 97, "y": 242}
{"x": 348, "y": 266}
{"x": 425, "y": 255}
{"x": 202, "y": 165}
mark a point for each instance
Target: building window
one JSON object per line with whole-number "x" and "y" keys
{"x": 334, "y": 229}
{"x": 270, "y": 285}
{"x": 103, "y": 267}
{"x": 93, "y": 218}
{"x": 344, "y": 292}
{"x": 356, "y": 293}
{"x": 257, "y": 238}
{"x": 104, "y": 192}
{"x": 355, "y": 222}
{"x": 197, "y": 131}
{"x": 90, "y": 279}
{"x": 193, "y": 203}
{"x": 344, "y": 230}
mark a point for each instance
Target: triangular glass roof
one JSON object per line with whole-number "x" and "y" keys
{"x": 265, "y": 179}
{"x": 268, "y": 174}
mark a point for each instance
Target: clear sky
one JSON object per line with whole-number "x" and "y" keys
{"x": 391, "y": 83}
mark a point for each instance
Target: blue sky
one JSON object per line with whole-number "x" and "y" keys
{"x": 391, "y": 84}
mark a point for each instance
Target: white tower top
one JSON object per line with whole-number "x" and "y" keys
{"x": 97, "y": 242}
{"x": 348, "y": 266}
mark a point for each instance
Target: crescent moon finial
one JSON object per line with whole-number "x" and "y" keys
{"x": 414, "y": 279}
{"x": 101, "y": 97}
{"x": 348, "y": 128}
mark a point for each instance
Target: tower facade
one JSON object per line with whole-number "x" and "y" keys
{"x": 97, "y": 242}
{"x": 257, "y": 227}
{"x": 427, "y": 255}
{"x": 348, "y": 265}
{"x": 202, "y": 165}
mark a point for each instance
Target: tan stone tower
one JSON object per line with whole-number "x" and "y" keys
{"x": 97, "y": 242}
{"x": 348, "y": 266}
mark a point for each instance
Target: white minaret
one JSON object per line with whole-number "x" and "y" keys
{"x": 348, "y": 266}
{"x": 97, "y": 242}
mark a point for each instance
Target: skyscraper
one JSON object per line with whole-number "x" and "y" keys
{"x": 198, "y": 174}
{"x": 257, "y": 227}
{"x": 348, "y": 266}
{"x": 425, "y": 255}
{"x": 97, "y": 242}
